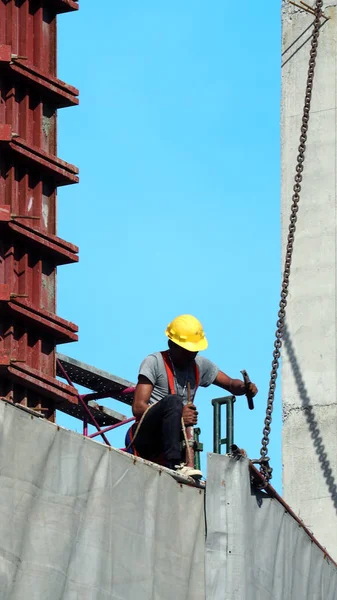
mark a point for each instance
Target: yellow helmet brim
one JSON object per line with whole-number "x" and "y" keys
{"x": 190, "y": 346}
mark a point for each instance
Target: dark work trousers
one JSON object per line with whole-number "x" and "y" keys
{"x": 161, "y": 430}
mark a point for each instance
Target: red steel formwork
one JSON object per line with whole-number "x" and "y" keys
{"x": 30, "y": 173}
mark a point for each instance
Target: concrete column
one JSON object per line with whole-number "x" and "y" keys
{"x": 310, "y": 352}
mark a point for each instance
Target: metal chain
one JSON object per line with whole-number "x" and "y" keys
{"x": 265, "y": 469}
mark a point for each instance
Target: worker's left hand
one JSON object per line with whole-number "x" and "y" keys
{"x": 252, "y": 389}
{"x": 190, "y": 415}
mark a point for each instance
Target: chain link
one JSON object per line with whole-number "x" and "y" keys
{"x": 265, "y": 469}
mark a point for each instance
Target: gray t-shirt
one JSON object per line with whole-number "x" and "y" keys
{"x": 153, "y": 368}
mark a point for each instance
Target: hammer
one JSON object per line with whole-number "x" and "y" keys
{"x": 248, "y": 393}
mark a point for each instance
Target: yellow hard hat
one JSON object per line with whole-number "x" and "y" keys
{"x": 186, "y": 331}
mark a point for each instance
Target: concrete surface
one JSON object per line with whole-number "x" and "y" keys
{"x": 310, "y": 354}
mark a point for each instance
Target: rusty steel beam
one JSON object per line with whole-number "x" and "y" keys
{"x": 30, "y": 172}
{"x": 18, "y": 68}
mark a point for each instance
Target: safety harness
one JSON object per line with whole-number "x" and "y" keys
{"x": 134, "y": 429}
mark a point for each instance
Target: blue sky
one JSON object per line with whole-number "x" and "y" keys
{"x": 178, "y": 207}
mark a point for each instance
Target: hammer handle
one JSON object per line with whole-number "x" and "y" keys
{"x": 248, "y": 394}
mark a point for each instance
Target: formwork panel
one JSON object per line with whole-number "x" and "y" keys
{"x": 30, "y": 172}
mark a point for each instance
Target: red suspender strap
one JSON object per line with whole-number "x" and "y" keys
{"x": 169, "y": 371}
{"x": 170, "y": 374}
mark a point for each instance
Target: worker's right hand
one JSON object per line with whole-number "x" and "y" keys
{"x": 190, "y": 415}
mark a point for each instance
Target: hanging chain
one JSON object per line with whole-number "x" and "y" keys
{"x": 264, "y": 460}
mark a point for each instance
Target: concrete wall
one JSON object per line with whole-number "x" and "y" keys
{"x": 310, "y": 353}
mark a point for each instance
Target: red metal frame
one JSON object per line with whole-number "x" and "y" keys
{"x": 30, "y": 172}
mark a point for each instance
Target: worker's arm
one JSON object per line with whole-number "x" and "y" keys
{"x": 142, "y": 396}
{"x": 234, "y": 386}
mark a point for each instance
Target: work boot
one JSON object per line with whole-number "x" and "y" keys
{"x": 188, "y": 471}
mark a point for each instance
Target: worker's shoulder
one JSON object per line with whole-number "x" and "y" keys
{"x": 204, "y": 363}
{"x": 154, "y": 358}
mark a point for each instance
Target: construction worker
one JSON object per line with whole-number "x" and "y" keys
{"x": 160, "y": 399}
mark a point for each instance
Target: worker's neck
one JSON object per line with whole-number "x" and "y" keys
{"x": 178, "y": 362}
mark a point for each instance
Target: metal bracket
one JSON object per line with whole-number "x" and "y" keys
{"x": 6, "y": 295}
{"x": 14, "y": 295}
{"x": 228, "y": 440}
{"x": 24, "y": 217}
{"x": 17, "y": 57}
{"x": 266, "y": 469}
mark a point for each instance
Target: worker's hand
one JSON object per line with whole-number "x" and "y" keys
{"x": 190, "y": 415}
{"x": 252, "y": 389}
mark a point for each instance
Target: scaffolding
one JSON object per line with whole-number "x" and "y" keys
{"x": 30, "y": 174}
{"x": 102, "y": 385}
